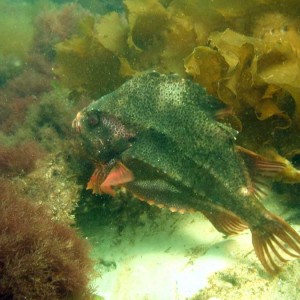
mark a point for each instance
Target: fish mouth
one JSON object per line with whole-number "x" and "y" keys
{"x": 76, "y": 123}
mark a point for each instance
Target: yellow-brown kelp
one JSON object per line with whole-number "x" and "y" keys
{"x": 245, "y": 54}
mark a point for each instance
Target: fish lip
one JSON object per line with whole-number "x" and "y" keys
{"x": 76, "y": 123}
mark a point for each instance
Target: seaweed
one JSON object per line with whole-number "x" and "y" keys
{"x": 55, "y": 24}
{"x": 245, "y": 54}
{"x": 39, "y": 258}
{"x": 258, "y": 77}
{"x": 19, "y": 159}
{"x": 10, "y": 66}
{"x": 207, "y": 66}
{"x": 84, "y": 64}
{"x": 24, "y": 90}
{"x": 151, "y": 17}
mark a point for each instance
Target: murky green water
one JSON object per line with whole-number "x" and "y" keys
{"x": 56, "y": 57}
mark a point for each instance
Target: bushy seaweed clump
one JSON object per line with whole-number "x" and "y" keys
{"x": 19, "y": 159}
{"x": 48, "y": 24}
{"x": 39, "y": 258}
{"x": 55, "y": 24}
{"x": 36, "y": 114}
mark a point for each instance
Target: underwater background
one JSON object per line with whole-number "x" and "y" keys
{"x": 59, "y": 240}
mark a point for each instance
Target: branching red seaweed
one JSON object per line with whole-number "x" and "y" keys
{"x": 39, "y": 258}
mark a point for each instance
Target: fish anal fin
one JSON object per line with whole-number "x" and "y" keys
{"x": 275, "y": 242}
{"x": 225, "y": 221}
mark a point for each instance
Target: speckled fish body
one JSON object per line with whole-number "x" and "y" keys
{"x": 178, "y": 118}
{"x": 164, "y": 131}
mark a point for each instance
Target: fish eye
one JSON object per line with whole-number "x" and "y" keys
{"x": 93, "y": 119}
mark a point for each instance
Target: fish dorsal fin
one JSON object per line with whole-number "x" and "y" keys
{"x": 262, "y": 165}
{"x": 259, "y": 170}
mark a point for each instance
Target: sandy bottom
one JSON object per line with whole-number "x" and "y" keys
{"x": 177, "y": 257}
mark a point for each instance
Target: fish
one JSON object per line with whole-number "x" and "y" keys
{"x": 157, "y": 136}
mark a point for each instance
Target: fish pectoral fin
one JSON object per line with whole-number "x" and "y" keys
{"x": 118, "y": 175}
{"x": 108, "y": 175}
{"x": 275, "y": 242}
{"x": 225, "y": 221}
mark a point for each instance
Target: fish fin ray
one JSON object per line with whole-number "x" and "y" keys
{"x": 118, "y": 175}
{"x": 262, "y": 165}
{"x": 97, "y": 178}
{"x": 275, "y": 243}
{"x": 260, "y": 169}
{"x": 106, "y": 176}
{"x": 225, "y": 221}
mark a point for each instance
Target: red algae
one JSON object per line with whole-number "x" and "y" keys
{"x": 19, "y": 159}
{"x": 55, "y": 25}
{"x": 39, "y": 258}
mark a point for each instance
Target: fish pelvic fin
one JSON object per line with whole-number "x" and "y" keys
{"x": 275, "y": 242}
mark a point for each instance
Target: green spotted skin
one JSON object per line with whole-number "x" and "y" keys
{"x": 181, "y": 155}
{"x": 163, "y": 129}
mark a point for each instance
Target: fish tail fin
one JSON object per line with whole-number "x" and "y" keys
{"x": 275, "y": 242}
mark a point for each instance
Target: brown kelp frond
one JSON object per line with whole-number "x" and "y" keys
{"x": 274, "y": 243}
